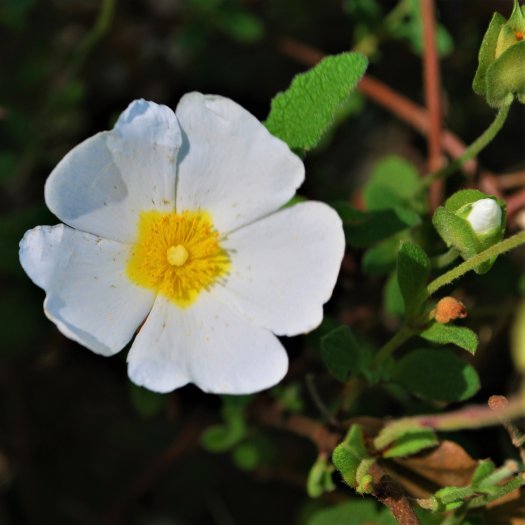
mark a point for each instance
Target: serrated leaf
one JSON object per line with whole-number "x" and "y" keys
{"x": 437, "y": 375}
{"x": 302, "y": 113}
{"x": 413, "y": 268}
{"x": 443, "y": 334}
{"x": 365, "y": 228}
{"x": 355, "y": 512}
{"x": 343, "y": 354}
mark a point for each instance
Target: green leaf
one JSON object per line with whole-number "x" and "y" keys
{"x": 319, "y": 478}
{"x": 354, "y": 512}
{"x": 487, "y": 53}
{"x": 392, "y": 298}
{"x": 393, "y": 182}
{"x": 343, "y": 355}
{"x": 146, "y": 402}
{"x": 462, "y": 198}
{"x": 246, "y": 456}
{"x": 437, "y": 375}
{"x": 456, "y": 232}
{"x": 443, "y": 334}
{"x": 413, "y": 268}
{"x": 302, "y": 113}
{"x": 365, "y": 228}
{"x": 402, "y": 438}
{"x": 349, "y": 454}
{"x": 240, "y": 25}
{"x": 381, "y": 258}
{"x": 220, "y": 438}
{"x": 483, "y": 470}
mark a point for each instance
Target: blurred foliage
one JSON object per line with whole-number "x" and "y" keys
{"x": 78, "y": 443}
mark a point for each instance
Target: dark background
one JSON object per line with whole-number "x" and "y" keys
{"x": 79, "y": 444}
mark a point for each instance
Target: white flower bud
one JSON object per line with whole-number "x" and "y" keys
{"x": 485, "y": 216}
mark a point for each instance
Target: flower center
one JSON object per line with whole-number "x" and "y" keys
{"x": 177, "y": 255}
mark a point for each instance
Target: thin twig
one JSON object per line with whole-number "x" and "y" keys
{"x": 432, "y": 85}
{"x": 390, "y": 493}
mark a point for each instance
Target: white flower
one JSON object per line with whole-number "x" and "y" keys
{"x": 485, "y": 216}
{"x": 171, "y": 222}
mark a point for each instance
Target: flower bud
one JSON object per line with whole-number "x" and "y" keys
{"x": 500, "y": 75}
{"x": 471, "y": 222}
{"x": 485, "y": 216}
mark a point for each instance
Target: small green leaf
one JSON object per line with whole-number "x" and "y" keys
{"x": 413, "y": 268}
{"x": 483, "y": 470}
{"x": 392, "y": 298}
{"x": 393, "y": 182}
{"x": 302, "y": 113}
{"x": 349, "y": 454}
{"x": 443, "y": 334}
{"x": 246, "y": 456}
{"x": 486, "y": 53}
{"x": 319, "y": 478}
{"x": 354, "y": 512}
{"x": 342, "y": 353}
{"x": 402, "y": 438}
{"x": 220, "y": 438}
{"x": 366, "y": 228}
{"x": 437, "y": 375}
{"x": 381, "y": 258}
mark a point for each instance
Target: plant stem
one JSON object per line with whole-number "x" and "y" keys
{"x": 473, "y": 150}
{"x": 403, "y": 335}
{"x": 473, "y": 262}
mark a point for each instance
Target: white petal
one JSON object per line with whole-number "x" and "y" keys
{"x": 285, "y": 266}
{"x": 485, "y": 216}
{"x": 208, "y": 344}
{"x": 88, "y": 295}
{"x": 103, "y": 184}
{"x": 230, "y": 165}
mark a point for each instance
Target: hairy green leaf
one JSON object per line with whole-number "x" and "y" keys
{"x": 436, "y": 374}
{"x": 343, "y": 354}
{"x": 301, "y": 114}
{"x": 449, "y": 334}
{"x": 413, "y": 268}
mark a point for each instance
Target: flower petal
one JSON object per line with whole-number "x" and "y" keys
{"x": 230, "y": 164}
{"x": 284, "y": 267}
{"x": 89, "y": 297}
{"x": 102, "y": 184}
{"x": 208, "y": 344}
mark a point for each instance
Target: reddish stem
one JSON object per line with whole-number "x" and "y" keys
{"x": 432, "y": 84}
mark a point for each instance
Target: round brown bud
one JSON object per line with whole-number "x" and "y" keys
{"x": 448, "y": 309}
{"x": 498, "y": 402}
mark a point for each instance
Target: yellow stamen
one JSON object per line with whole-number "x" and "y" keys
{"x": 177, "y": 255}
